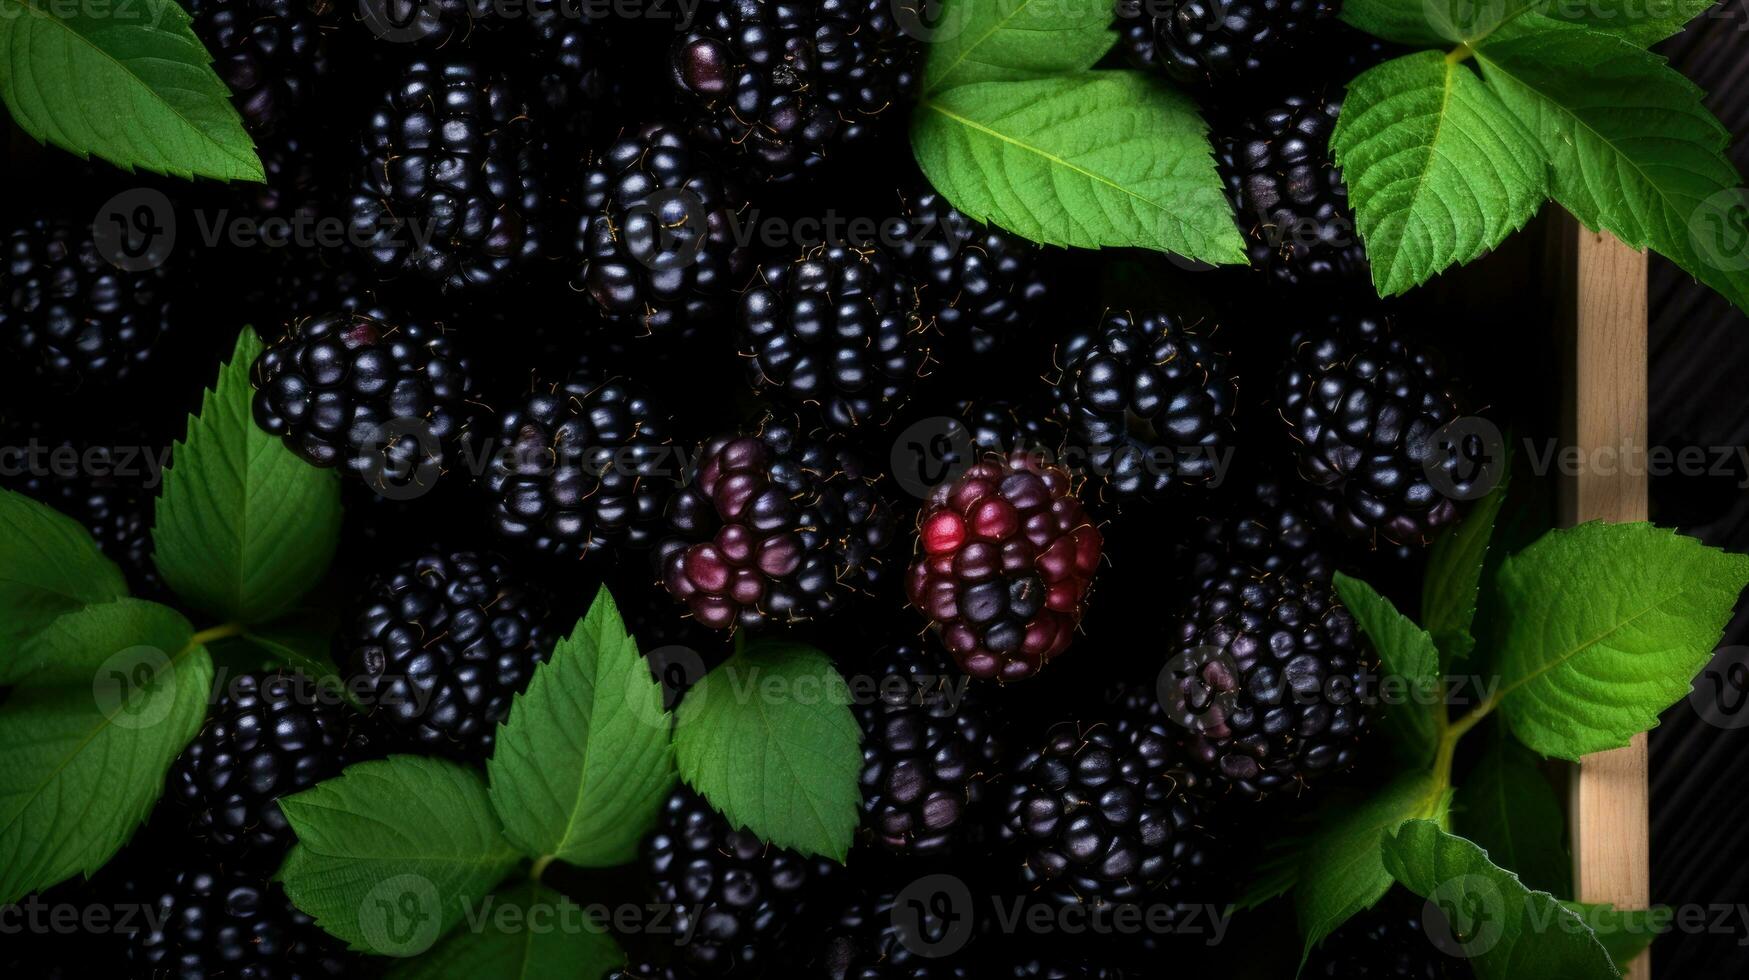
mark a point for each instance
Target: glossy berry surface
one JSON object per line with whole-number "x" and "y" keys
{"x": 982, "y": 286}
{"x": 206, "y": 921}
{"x": 1219, "y": 42}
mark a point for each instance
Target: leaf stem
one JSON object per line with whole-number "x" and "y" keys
{"x": 1459, "y": 54}
{"x": 540, "y": 867}
{"x": 223, "y": 631}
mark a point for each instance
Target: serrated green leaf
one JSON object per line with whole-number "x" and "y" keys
{"x": 243, "y": 527}
{"x": 49, "y": 566}
{"x": 1507, "y": 930}
{"x": 1438, "y": 170}
{"x": 1450, "y": 590}
{"x": 392, "y": 854}
{"x": 90, "y": 736}
{"x": 1409, "y": 663}
{"x": 1624, "y": 933}
{"x": 783, "y": 704}
{"x": 1509, "y": 809}
{"x": 584, "y": 760}
{"x": 1008, "y": 40}
{"x": 127, "y": 81}
{"x": 1402, "y": 21}
{"x": 526, "y": 932}
{"x": 1093, "y": 159}
{"x": 1635, "y": 21}
{"x": 1344, "y": 873}
{"x": 1632, "y": 148}
{"x": 1602, "y": 627}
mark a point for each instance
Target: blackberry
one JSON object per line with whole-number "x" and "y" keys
{"x": 1002, "y": 427}
{"x": 1219, "y": 42}
{"x": 839, "y": 329}
{"x": 1260, "y": 525}
{"x": 97, "y": 487}
{"x": 1365, "y": 409}
{"x": 731, "y": 894}
{"x": 789, "y": 85}
{"x": 439, "y": 646}
{"x": 864, "y": 941}
{"x": 449, "y": 188}
{"x": 1149, "y": 399}
{"x": 657, "y": 238}
{"x": 1135, "y": 31}
{"x": 1386, "y": 942}
{"x": 269, "y": 736}
{"x": 928, "y": 749}
{"x": 386, "y": 400}
{"x": 579, "y": 465}
{"x": 775, "y": 526}
{"x": 1007, "y": 558}
{"x": 980, "y": 284}
{"x": 1272, "y": 694}
{"x": 270, "y": 53}
{"x": 69, "y": 317}
{"x": 1103, "y": 819}
{"x": 210, "y": 921}
{"x": 1289, "y": 195}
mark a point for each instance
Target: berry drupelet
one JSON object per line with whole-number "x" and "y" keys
{"x": 656, "y": 242}
{"x": 205, "y": 920}
{"x": 773, "y": 526}
{"x": 838, "y": 329}
{"x": 270, "y": 53}
{"x": 1149, "y": 399}
{"x": 439, "y": 646}
{"x": 449, "y": 188}
{"x": 1007, "y": 558}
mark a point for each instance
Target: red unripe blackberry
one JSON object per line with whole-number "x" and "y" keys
{"x": 1007, "y": 556}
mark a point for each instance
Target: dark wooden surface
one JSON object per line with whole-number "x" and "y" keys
{"x": 1699, "y": 364}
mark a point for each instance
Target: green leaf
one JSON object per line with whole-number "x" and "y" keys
{"x": 1454, "y": 577}
{"x": 49, "y": 566}
{"x": 127, "y": 81}
{"x": 1507, "y": 930}
{"x": 1624, "y": 933}
{"x": 784, "y": 705}
{"x": 243, "y": 527}
{"x": 1009, "y": 40}
{"x": 1344, "y": 871}
{"x": 1508, "y": 808}
{"x": 526, "y": 932}
{"x": 584, "y": 761}
{"x": 1601, "y": 627}
{"x": 1409, "y": 664}
{"x": 1632, "y": 147}
{"x": 90, "y": 737}
{"x": 1093, "y": 159}
{"x": 1635, "y": 21}
{"x": 1438, "y": 170}
{"x": 391, "y": 854}
{"x": 1402, "y": 21}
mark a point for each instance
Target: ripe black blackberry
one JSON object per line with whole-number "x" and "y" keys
{"x": 789, "y": 85}
{"x": 1101, "y": 818}
{"x": 1135, "y": 31}
{"x": 1259, "y": 523}
{"x": 101, "y": 487}
{"x": 1387, "y": 942}
{"x": 439, "y": 646}
{"x": 928, "y": 751}
{"x": 732, "y": 895}
{"x": 981, "y": 285}
{"x": 1291, "y": 202}
{"x": 1365, "y": 409}
{"x": 386, "y": 400}
{"x": 1149, "y": 399}
{"x": 270, "y": 735}
{"x": 865, "y": 941}
{"x": 205, "y": 920}
{"x": 1271, "y": 684}
{"x": 72, "y": 320}
{"x": 777, "y": 526}
{"x": 271, "y": 53}
{"x": 579, "y": 465}
{"x": 657, "y": 239}
{"x": 449, "y": 188}
{"x": 1004, "y": 427}
{"x": 839, "y": 329}
{"x": 1220, "y": 42}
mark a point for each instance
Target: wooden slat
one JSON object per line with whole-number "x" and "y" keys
{"x": 1609, "y": 808}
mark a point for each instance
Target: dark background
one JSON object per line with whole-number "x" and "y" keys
{"x": 1699, "y": 362}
